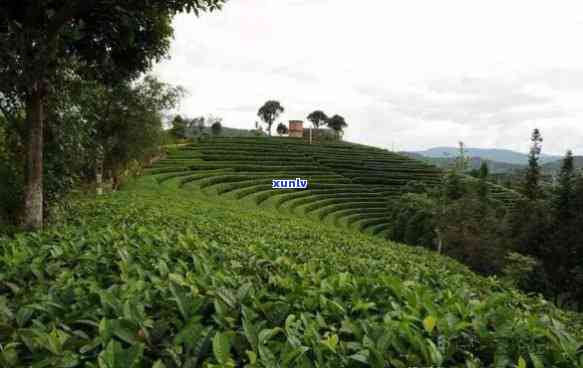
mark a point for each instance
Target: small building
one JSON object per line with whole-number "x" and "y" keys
{"x": 320, "y": 135}
{"x": 296, "y": 128}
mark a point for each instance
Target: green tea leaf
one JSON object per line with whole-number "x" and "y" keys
{"x": 222, "y": 348}
{"x": 521, "y": 363}
{"x": 429, "y": 323}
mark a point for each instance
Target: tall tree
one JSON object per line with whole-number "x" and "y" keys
{"x": 530, "y": 223}
{"x": 337, "y": 124}
{"x": 318, "y": 118}
{"x": 483, "y": 188}
{"x": 127, "y": 119}
{"x": 577, "y": 251}
{"x": 563, "y": 199}
{"x": 269, "y": 112}
{"x": 39, "y": 37}
{"x": 484, "y": 171}
{"x": 453, "y": 186}
{"x": 532, "y": 189}
{"x": 559, "y": 254}
{"x": 462, "y": 159}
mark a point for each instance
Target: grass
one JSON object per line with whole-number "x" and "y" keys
{"x": 164, "y": 276}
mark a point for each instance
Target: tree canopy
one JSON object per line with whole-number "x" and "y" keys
{"x": 532, "y": 188}
{"x": 269, "y": 112}
{"x": 216, "y": 128}
{"x": 41, "y": 41}
{"x": 337, "y": 124}
{"x": 179, "y": 126}
{"x": 282, "y": 129}
{"x": 318, "y": 118}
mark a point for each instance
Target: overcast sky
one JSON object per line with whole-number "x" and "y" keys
{"x": 414, "y": 74}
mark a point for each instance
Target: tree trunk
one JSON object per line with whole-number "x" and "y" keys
{"x": 33, "y": 197}
{"x": 99, "y": 170}
{"x": 99, "y": 181}
{"x": 439, "y": 241}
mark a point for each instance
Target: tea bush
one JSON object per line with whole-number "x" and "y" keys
{"x": 249, "y": 164}
{"x": 164, "y": 277}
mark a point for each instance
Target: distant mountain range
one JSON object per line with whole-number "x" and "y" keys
{"x": 555, "y": 166}
{"x": 474, "y": 163}
{"x": 499, "y": 160}
{"x": 491, "y": 154}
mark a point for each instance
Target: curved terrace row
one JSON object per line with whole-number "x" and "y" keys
{"x": 349, "y": 184}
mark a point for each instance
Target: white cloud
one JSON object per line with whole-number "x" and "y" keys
{"x": 415, "y": 74}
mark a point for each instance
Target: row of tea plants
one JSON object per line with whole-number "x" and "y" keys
{"x": 163, "y": 277}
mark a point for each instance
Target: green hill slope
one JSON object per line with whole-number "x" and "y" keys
{"x": 159, "y": 274}
{"x": 349, "y": 184}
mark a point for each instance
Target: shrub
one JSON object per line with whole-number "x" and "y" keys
{"x": 519, "y": 270}
{"x": 160, "y": 277}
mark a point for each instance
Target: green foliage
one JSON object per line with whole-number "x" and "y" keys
{"x": 484, "y": 171}
{"x": 318, "y": 118}
{"x": 337, "y": 124}
{"x": 565, "y": 242}
{"x": 269, "y": 112}
{"x": 532, "y": 189}
{"x": 217, "y": 128}
{"x": 128, "y": 119}
{"x": 86, "y": 122}
{"x": 179, "y": 126}
{"x": 349, "y": 184}
{"x": 11, "y": 181}
{"x": 112, "y": 42}
{"x": 563, "y": 198}
{"x": 461, "y": 161}
{"x": 282, "y": 129}
{"x": 43, "y": 43}
{"x": 412, "y": 220}
{"x": 519, "y": 270}
{"x": 169, "y": 278}
{"x": 204, "y": 137}
{"x": 473, "y": 232}
{"x": 454, "y": 189}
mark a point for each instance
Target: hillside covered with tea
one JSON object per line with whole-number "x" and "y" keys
{"x": 169, "y": 277}
{"x": 348, "y": 183}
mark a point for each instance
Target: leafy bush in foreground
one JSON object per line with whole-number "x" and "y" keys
{"x": 164, "y": 278}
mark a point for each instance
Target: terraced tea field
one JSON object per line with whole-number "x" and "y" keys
{"x": 349, "y": 184}
{"x": 164, "y": 277}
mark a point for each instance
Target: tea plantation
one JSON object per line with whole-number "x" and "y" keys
{"x": 166, "y": 276}
{"x": 349, "y": 184}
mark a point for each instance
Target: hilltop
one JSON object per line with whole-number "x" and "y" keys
{"x": 349, "y": 184}
{"x": 554, "y": 167}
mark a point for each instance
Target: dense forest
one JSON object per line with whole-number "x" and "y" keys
{"x": 536, "y": 243}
